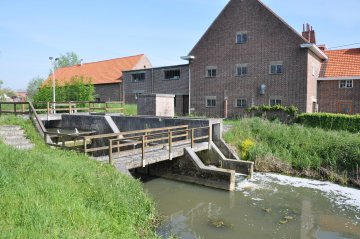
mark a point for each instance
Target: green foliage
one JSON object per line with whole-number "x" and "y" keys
{"x": 328, "y": 121}
{"x": 69, "y": 59}
{"x": 50, "y": 193}
{"x": 78, "y": 89}
{"x": 291, "y": 110}
{"x": 130, "y": 109}
{"x": 245, "y": 147}
{"x": 300, "y": 147}
{"x": 34, "y": 86}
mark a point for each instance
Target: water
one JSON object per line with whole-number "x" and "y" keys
{"x": 269, "y": 206}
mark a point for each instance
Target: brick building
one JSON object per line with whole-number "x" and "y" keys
{"x": 339, "y": 82}
{"x": 250, "y": 56}
{"x": 161, "y": 80}
{"x": 105, "y": 75}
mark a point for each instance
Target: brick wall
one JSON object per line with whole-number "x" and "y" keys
{"x": 330, "y": 95}
{"x": 269, "y": 39}
{"x": 109, "y": 92}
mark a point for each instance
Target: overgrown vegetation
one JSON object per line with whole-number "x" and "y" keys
{"x": 328, "y": 121}
{"x": 78, "y": 89}
{"x": 130, "y": 109}
{"x": 49, "y": 193}
{"x": 296, "y": 149}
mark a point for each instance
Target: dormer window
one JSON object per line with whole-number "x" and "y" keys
{"x": 241, "y": 37}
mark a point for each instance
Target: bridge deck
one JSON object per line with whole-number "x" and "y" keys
{"x": 153, "y": 154}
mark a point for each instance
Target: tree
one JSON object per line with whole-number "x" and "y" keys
{"x": 78, "y": 89}
{"x": 34, "y": 87}
{"x": 69, "y": 59}
{"x": 5, "y": 92}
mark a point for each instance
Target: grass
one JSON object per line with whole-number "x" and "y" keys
{"x": 283, "y": 148}
{"x": 130, "y": 109}
{"x": 49, "y": 193}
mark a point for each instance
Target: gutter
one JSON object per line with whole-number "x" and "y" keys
{"x": 339, "y": 78}
{"x": 316, "y": 50}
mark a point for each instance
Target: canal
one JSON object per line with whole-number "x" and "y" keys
{"x": 269, "y": 206}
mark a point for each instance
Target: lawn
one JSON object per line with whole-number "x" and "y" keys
{"x": 50, "y": 193}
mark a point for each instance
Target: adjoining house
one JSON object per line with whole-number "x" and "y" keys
{"x": 339, "y": 82}
{"x": 105, "y": 75}
{"x": 160, "y": 80}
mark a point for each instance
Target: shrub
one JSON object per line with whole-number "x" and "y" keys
{"x": 328, "y": 121}
{"x": 245, "y": 147}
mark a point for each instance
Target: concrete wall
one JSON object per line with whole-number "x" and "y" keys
{"x": 156, "y": 105}
{"x": 189, "y": 168}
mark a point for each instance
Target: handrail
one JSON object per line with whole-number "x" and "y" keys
{"x": 144, "y": 140}
{"x": 13, "y": 109}
{"x": 33, "y": 111}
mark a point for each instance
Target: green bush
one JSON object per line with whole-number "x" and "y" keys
{"x": 328, "y": 121}
{"x": 300, "y": 147}
{"x": 291, "y": 110}
{"x": 78, "y": 89}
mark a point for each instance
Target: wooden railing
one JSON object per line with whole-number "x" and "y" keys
{"x": 79, "y": 106}
{"x": 164, "y": 138}
{"x": 14, "y": 108}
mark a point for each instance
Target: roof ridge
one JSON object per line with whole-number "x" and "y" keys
{"x": 95, "y": 62}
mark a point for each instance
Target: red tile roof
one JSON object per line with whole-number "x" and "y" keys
{"x": 341, "y": 63}
{"x": 102, "y": 72}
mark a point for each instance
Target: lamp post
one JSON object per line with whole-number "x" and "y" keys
{"x": 190, "y": 59}
{"x": 53, "y": 62}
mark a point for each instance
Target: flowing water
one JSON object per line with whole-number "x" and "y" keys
{"x": 269, "y": 206}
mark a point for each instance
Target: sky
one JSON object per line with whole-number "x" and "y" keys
{"x": 164, "y": 30}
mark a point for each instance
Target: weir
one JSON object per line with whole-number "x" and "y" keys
{"x": 189, "y": 150}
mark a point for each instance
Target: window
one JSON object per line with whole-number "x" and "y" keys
{"x": 172, "y": 75}
{"x": 276, "y": 67}
{"x": 241, "y": 37}
{"x": 138, "y": 77}
{"x": 275, "y": 101}
{"x": 241, "y": 103}
{"x": 346, "y": 84}
{"x": 211, "y": 71}
{"x": 241, "y": 69}
{"x": 210, "y": 101}
{"x": 345, "y": 107}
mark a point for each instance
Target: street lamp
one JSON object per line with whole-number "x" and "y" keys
{"x": 53, "y": 62}
{"x": 190, "y": 59}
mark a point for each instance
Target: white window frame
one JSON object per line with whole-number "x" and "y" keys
{"x": 242, "y": 66}
{"x": 346, "y": 84}
{"x": 211, "y": 69}
{"x": 276, "y": 64}
{"x": 275, "y": 98}
{"x": 243, "y": 36}
{"x": 207, "y": 98}
{"x": 242, "y": 99}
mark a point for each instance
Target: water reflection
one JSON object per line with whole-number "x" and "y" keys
{"x": 264, "y": 208}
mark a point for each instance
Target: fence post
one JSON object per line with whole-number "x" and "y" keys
{"x": 143, "y": 150}
{"x": 85, "y": 146}
{"x": 70, "y": 110}
{"x": 110, "y": 151}
{"x": 210, "y": 137}
{"x": 15, "y": 108}
{"x": 48, "y": 108}
{"x": 192, "y": 138}
{"x": 170, "y": 145}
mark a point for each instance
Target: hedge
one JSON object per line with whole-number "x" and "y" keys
{"x": 329, "y": 121}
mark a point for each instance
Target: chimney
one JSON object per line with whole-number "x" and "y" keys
{"x": 309, "y": 33}
{"x": 322, "y": 47}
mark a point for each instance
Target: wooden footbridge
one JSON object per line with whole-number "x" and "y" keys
{"x": 136, "y": 148}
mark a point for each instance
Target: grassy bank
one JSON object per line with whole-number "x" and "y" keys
{"x": 295, "y": 149}
{"x": 49, "y": 193}
{"x": 130, "y": 109}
